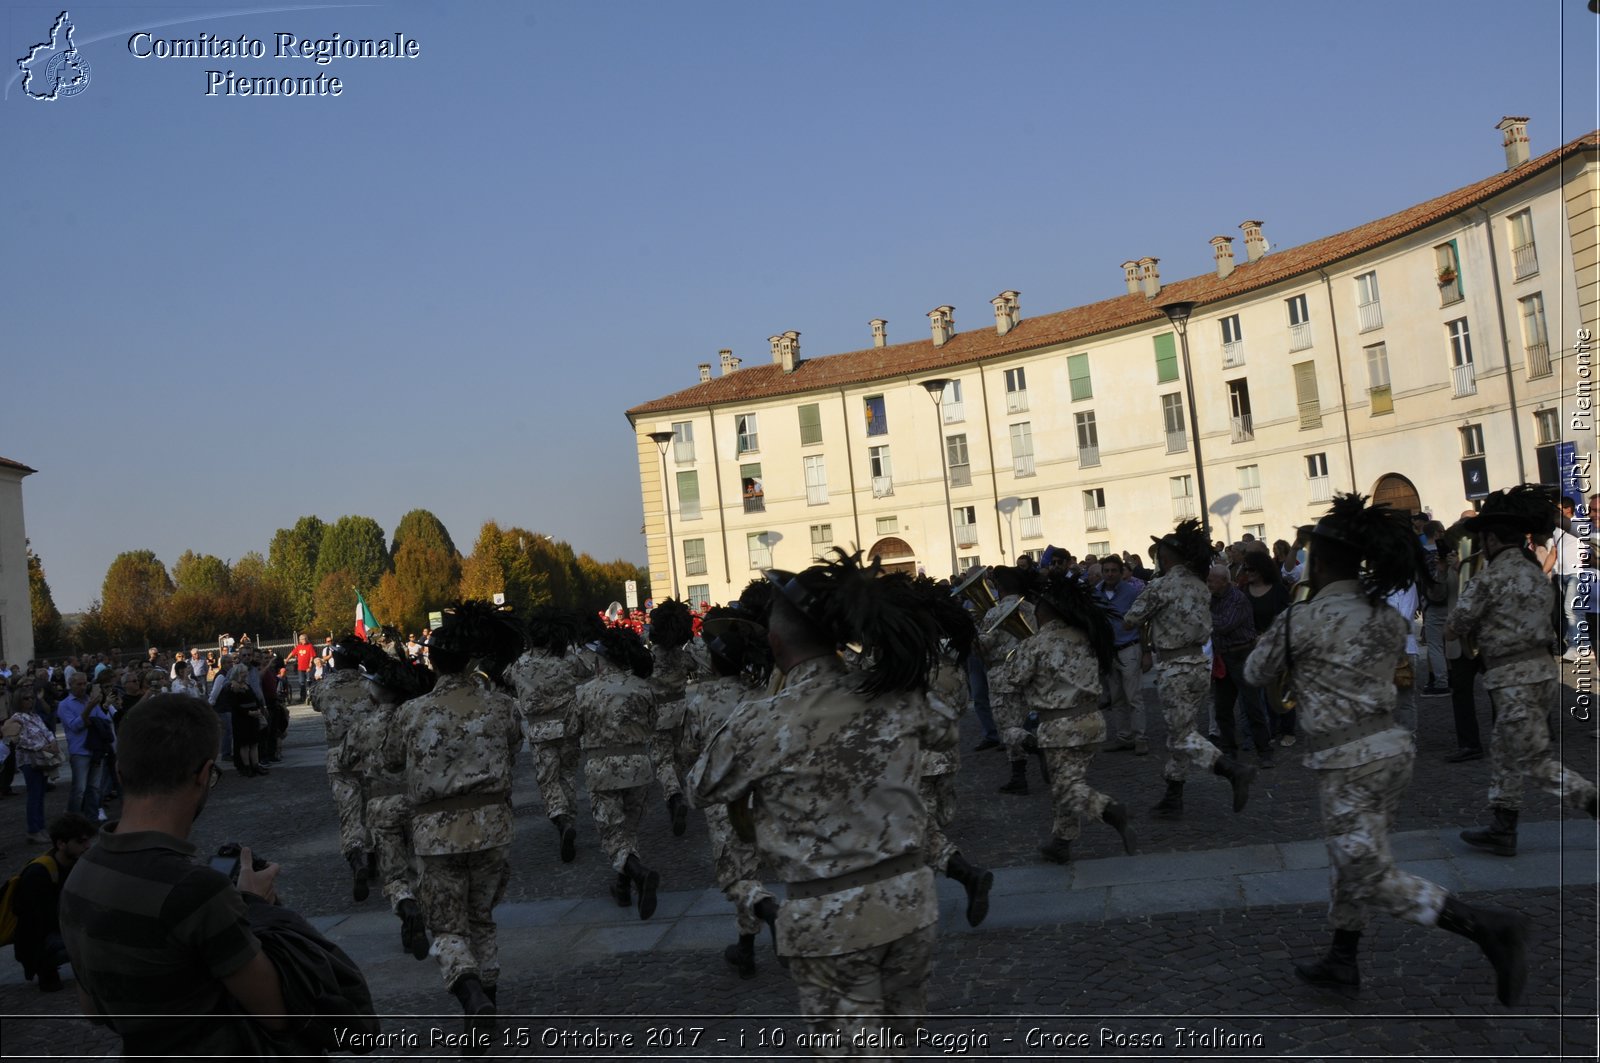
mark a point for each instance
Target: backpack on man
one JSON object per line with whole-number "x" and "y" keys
{"x": 8, "y": 895}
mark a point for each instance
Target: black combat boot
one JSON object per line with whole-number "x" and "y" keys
{"x": 1240, "y": 775}
{"x": 1018, "y": 783}
{"x": 646, "y": 880}
{"x": 1031, "y": 744}
{"x": 1116, "y": 817}
{"x": 622, "y": 890}
{"x": 766, "y": 910}
{"x": 679, "y": 810}
{"x": 358, "y": 863}
{"x": 569, "y": 837}
{"x": 1057, "y": 850}
{"x": 743, "y": 955}
{"x": 413, "y": 928}
{"x": 1503, "y": 937}
{"x": 1171, "y": 804}
{"x": 477, "y": 1011}
{"x": 1336, "y": 970}
{"x": 977, "y": 881}
{"x": 1499, "y": 837}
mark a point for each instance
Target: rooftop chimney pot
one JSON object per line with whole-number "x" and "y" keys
{"x": 789, "y": 350}
{"x": 1130, "y": 272}
{"x": 1222, "y": 247}
{"x": 705, "y": 372}
{"x": 1255, "y": 243}
{"x": 729, "y": 362}
{"x": 1150, "y": 277}
{"x": 880, "y": 332}
{"x": 1515, "y": 128}
{"x": 943, "y": 319}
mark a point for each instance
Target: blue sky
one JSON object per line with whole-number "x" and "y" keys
{"x": 444, "y": 287}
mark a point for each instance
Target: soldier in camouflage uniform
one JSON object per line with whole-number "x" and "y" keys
{"x": 1174, "y": 610}
{"x": 671, "y": 630}
{"x": 1337, "y": 653}
{"x": 826, "y": 772}
{"x": 611, "y": 718}
{"x": 341, "y": 697}
{"x": 457, "y": 745}
{"x": 1057, "y": 671}
{"x": 545, "y": 680}
{"x": 1507, "y": 607}
{"x": 997, "y": 644}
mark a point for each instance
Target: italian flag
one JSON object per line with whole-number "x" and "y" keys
{"x": 365, "y": 621}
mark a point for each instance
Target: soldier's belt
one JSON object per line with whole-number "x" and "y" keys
{"x": 1362, "y": 728}
{"x": 636, "y": 749}
{"x": 464, "y": 803}
{"x": 1535, "y": 654}
{"x": 817, "y": 887}
{"x": 1193, "y": 649}
{"x": 1046, "y": 715}
{"x": 385, "y": 789}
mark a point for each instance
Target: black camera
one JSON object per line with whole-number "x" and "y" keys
{"x": 227, "y": 861}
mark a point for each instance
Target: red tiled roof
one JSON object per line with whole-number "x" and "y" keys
{"x": 922, "y": 357}
{"x": 7, "y": 463}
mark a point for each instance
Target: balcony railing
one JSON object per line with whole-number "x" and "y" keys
{"x": 1033, "y": 527}
{"x": 1381, "y": 398}
{"x": 1524, "y": 260}
{"x": 1300, "y": 336}
{"x": 1095, "y": 519}
{"x": 966, "y": 535}
{"x": 689, "y": 509}
{"x": 1017, "y": 401}
{"x": 1370, "y": 315}
{"x": 1243, "y": 428}
{"x": 955, "y": 411}
{"x": 1310, "y": 414}
{"x": 1022, "y": 465}
{"x": 1177, "y": 442}
{"x": 816, "y": 496}
{"x": 1233, "y": 354}
{"x": 1538, "y": 355}
{"x": 1183, "y": 507}
{"x": 683, "y": 453}
{"x": 1088, "y": 457}
{"x": 1450, "y": 291}
{"x": 1465, "y": 379}
{"x": 1250, "y": 499}
{"x": 882, "y": 486}
{"x": 1321, "y": 488}
{"x": 960, "y": 475}
{"x": 755, "y": 504}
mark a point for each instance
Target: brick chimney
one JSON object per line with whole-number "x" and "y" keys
{"x": 880, "y": 332}
{"x": 1150, "y": 277}
{"x": 777, "y": 349}
{"x": 1516, "y": 131}
{"x": 705, "y": 372}
{"x": 729, "y": 362}
{"x": 944, "y": 324}
{"x": 1007, "y": 311}
{"x": 1130, "y": 271}
{"x": 1222, "y": 248}
{"x": 1255, "y": 244}
{"x": 789, "y": 350}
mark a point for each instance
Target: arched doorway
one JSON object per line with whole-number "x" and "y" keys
{"x": 896, "y": 553}
{"x": 1398, "y": 492}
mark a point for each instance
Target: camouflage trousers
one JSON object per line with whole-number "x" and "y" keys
{"x": 616, "y": 816}
{"x": 349, "y": 797}
{"x": 735, "y": 864}
{"x": 555, "y": 769}
{"x": 458, "y": 892}
{"x": 1519, "y": 747}
{"x": 1185, "y": 689}
{"x": 664, "y": 756}
{"x": 1072, "y": 796}
{"x": 1358, "y": 810}
{"x": 938, "y": 794}
{"x": 389, "y": 821}
{"x": 863, "y": 991}
{"x": 1010, "y": 714}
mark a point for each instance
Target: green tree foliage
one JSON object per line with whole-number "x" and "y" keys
{"x": 531, "y": 569}
{"x": 257, "y": 599}
{"x": 602, "y": 582}
{"x": 500, "y": 564}
{"x": 133, "y": 598}
{"x": 292, "y": 559}
{"x": 424, "y": 529}
{"x": 354, "y": 546}
{"x": 200, "y": 574}
{"x": 336, "y": 606}
{"x": 48, "y": 634}
{"x": 425, "y": 578}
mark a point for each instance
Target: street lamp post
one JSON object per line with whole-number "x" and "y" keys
{"x": 935, "y": 389}
{"x": 661, "y": 439}
{"x": 1178, "y": 313}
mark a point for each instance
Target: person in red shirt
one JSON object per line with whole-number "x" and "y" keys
{"x": 305, "y": 658}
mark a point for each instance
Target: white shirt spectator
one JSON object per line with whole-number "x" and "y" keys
{"x": 1404, "y": 602}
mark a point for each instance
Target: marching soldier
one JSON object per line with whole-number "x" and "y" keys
{"x": 1507, "y": 607}
{"x": 1175, "y": 611}
{"x": 545, "y": 680}
{"x": 997, "y": 644}
{"x": 341, "y": 698}
{"x": 671, "y": 629}
{"x": 1338, "y": 653}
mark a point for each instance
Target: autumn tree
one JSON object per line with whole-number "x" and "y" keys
{"x": 421, "y": 527}
{"x": 500, "y": 564}
{"x": 47, "y": 630}
{"x": 134, "y": 596}
{"x": 354, "y": 546}
{"x": 204, "y": 574}
{"x": 425, "y": 577}
{"x": 292, "y": 560}
{"x": 335, "y": 605}
{"x": 258, "y": 600}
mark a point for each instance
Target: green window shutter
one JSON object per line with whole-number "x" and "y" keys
{"x": 1078, "y": 371}
{"x": 1166, "y": 358}
{"x": 810, "y": 424}
{"x": 1305, "y": 390}
{"x": 688, "y": 495}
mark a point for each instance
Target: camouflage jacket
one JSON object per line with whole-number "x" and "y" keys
{"x": 456, "y": 744}
{"x": 612, "y": 718}
{"x": 674, "y": 671}
{"x": 1000, "y": 642}
{"x": 1177, "y": 606}
{"x": 1345, "y": 653}
{"x": 833, "y": 779}
{"x": 340, "y": 697}
{"x": 1054, "y": 672}
{"x": 949, "y": 687}
{"x": 364, "y": 746}
{"x": 710, "y": 704}
{"x": 545, "y": 687}
{"x": 1507, "y": 607}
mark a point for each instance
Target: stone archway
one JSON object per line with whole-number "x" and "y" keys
{"x": 896, "y": 553}
{"x": 1398, "y": 492}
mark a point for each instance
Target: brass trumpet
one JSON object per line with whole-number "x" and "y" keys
{"x": 1012, "y": 620}
{"x": 975, "y": 589}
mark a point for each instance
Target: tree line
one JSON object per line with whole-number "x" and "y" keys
{"x": 309, "y": 578}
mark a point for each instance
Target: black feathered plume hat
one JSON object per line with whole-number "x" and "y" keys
{"x": 1525, "y": 508}
{"x": 1071, "y": 599}
{"x": 671, "y": 624}
{"x": 551, "y": 629}
{"x": 955, "y": 624}
{"x": 732, "y": 637}
{"x": 401, "y": 679}
{"x": 756, "y": 600}
{"x": 1191, "y": 541}
{"x": 1379, "y": 536}
{"x": 478, "y": 630}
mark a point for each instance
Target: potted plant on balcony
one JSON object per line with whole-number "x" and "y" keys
{"x": 1447, "y": 275}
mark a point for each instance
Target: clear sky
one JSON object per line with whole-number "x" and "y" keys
{"x": 443, "y": 287}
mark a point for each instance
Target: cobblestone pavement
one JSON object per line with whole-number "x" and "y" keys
{"x": 1228, "y": 969}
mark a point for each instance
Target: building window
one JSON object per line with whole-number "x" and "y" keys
{"x": 1463, "y": 376}
{"x": 689, "y": 495}
{"x": 810, "y": 424}
{"x": 1022, "y": 449}
{"x": 1088, "y": 440}
{"x": 1547, "y": 434}
{"x": 965, "y": 563}
{"x": 1094, "y": 509}
{"x": 694, "y": 557}
{"x": 1250, "y": 488}
{"x": 1244, "y": 428}
{"x": 1535, "y": 339}
{"x": 877, "y": 419}
{"x": 1472, "y": 441}
{"x": 955, "y": 450}
{"x": 1305, "y": 392}
{"x": 698, "y": 594}
{"x": 966, "y": 526}
{"x": 888, "y": 525}
{"x": 1317, "y": 474}
{"x": 1258, "y": 530}
{"x": 951, "y": 405}
{"x": 821, "y": 539}
{"x": 816, "y": 480}
{"x": 1172, "y": 422}
{"x": 1369, "y": 310}
{"x": 1032, "y": 521}
{"x": 1078, "y": 374}
{"x": 1232, "y": 342}
{"x": 1183, "y": 497}
{"x": 745, "y": 428}
{"x": 1166, "y": 358}
{"x": 1447, "y": 264}
{"x": 1474, "y": 465}
{"x": 1379, "y": 394}
{"x": 683, "y": 442}
{"x": 1299, "y": 323}
{"x": 1524, "y": 259}
{"x": 755, "y": 494}
{"x": 882, "y": 473}
{"x": 1099, "y": 547}
{"x": 1016, "y": 390}
{"x": 760, "y": 548}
